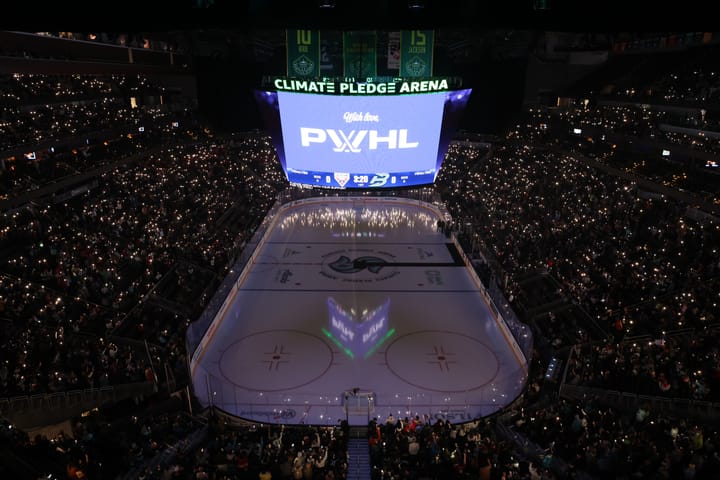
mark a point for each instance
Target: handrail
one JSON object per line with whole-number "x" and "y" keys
{"x": 84, "y": 393}
{"x": 171, "y": 453}
{"x": 628, "y": 400}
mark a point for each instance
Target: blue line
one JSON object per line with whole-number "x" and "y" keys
{"x": 415, "y": 291}
{"x": 287, "y": 263}
{"x": 339, "y": 243}
{"x": 386, "y": 264}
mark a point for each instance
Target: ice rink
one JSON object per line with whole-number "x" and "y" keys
{"x": 357, "y": 308}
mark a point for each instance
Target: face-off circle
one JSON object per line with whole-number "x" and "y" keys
{"x": 275, "y": 360}
{"x": 441, "y": 361}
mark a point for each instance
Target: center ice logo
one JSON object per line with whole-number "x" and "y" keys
{"x": 345, "y": 265}
{"x": 359, "y": 265}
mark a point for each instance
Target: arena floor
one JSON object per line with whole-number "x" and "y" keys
{"x": 357, "y": 308}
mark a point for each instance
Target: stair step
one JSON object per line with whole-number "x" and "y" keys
{"x": 359, "y": 467}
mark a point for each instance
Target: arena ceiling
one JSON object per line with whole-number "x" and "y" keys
{"x": 164, "y": 15}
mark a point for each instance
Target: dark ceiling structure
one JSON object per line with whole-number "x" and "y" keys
{"x": 564, "y": 15}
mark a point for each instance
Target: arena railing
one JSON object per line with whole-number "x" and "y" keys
{"x": 680, "y": 407}
{"x": 490, "y": 289}
{"x": 500, "y": 307}
{"x": 529, "y": 450}
{"x": 216, "y": 393}
{"x": 51, "y": 407}
{"x": 171, "y": 453}
{"x": 631, "y": 400}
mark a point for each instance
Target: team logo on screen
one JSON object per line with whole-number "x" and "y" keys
{"x": 341, "y": 177}
{"x": 353, "y": 141}
{"x": 379, "y": 180}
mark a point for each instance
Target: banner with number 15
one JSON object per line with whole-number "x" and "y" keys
{"x": 416, "y": 53}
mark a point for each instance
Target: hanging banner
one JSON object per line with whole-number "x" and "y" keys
{"x": 360, "y": 54}
{"x": 416, "y": 53}
{"x": 331, "y": 54}
{"x": 303, "y": 53}
{"x": 393, "y": 53}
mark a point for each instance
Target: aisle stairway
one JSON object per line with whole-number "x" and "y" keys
{"x": 359, "y": 467}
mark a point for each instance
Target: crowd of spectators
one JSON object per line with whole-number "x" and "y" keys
{"x": 97, "y": 446}
{"x": 603, "y": 442}
{"x": 612, "y": 251}
{"x": 642, "y": 121}
{"x": 689, "y": 77}
{"x": 53, "y": 126}
{"x": 656, "y": 117}
{"x": 420, "y": 448}
{"x": 140, "y": 253}
{"x": 36, "y": 108}
{"x": 172, "y": 444}
{"x": 84, "y": 266}
{"x": 679, "y": 366}
{"x": 75, "y": 272}
{"x": 642, "y": 265}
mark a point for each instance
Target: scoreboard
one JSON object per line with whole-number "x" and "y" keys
{"x": 370, "y": 134}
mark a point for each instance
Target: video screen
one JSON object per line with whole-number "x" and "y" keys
{"x": 362, "y": 141}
